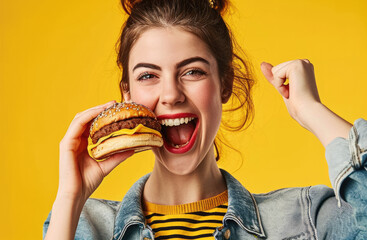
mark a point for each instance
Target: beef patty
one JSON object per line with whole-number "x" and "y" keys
{"x": 126, "y": 124}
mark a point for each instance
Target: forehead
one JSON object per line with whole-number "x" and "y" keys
{"x": 167, "y": 45}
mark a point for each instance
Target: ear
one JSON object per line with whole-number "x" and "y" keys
{"x": 226, "y": 94}
{"x": 126, "y": 96}
{"x": 126, "y": 92}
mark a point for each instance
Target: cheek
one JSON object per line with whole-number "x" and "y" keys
{"x": 208, "y": 100}
{"x": 139, "y": 95}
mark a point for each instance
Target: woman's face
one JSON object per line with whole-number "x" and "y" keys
{"x": 172, "y": 72}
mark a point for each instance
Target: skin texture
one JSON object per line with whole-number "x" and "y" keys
{"x": 194, "y": 175}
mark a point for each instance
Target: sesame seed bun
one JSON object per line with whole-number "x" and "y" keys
{"x": 120, "y": 128}
{"x": 118, "y": 112}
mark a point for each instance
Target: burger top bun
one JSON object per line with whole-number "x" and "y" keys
{"x": 120, "y": 111}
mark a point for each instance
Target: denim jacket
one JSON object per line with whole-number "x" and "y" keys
{"x": 316, "y": 212}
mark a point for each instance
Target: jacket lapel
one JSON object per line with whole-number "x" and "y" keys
{"x": 242, "y": 207}
{"x": 130, "y": 212}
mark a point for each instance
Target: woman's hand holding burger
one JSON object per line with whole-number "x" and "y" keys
{"x": 79, "y": 174}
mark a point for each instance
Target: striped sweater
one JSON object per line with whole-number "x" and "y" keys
{"x": 196, "y": 220}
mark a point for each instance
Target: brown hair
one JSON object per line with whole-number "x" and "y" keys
{"x": 204, "y": 19}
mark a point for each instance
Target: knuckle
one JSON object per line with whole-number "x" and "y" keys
{"x": 308, "y": 64}
{"x": 273, "y": 70}
{"x": 303, "y": 63}
{"x": 62, "y": 143}
{"x": 76, "y": 116}
{"x": 65, "y": 144}
{"x": 299, "y": 62}
{"x": 66, "y": 139}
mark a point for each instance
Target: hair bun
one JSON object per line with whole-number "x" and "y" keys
{"x": 128, "y": 5}
{"x": 219, "y": 5}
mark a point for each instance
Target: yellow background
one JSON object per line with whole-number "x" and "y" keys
{"x": 58, "y": 58}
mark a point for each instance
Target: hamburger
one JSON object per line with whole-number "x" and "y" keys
{"x": 122, "y": 127}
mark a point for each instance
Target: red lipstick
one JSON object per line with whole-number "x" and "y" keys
{"x": 176, "y": 115}
{"x": 192, "y": 140}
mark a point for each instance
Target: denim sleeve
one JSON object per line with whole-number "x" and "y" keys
{"x": 96, "y": 220}
{"x": 347, "y": 160}
{"x": 45, "y": 226}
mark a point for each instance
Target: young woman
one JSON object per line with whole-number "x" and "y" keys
{"x": 177, "y": 58}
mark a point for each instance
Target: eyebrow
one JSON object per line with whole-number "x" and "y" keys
{"x": 178, "y": 65}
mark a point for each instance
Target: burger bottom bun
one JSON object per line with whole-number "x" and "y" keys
{"x": 138, "y": 142}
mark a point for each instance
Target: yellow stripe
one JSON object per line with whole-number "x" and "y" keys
{"x": 185, "y": 224}
{"x": 206, "y": 238}
{"x": 186, "y": 215}
{"x": 182, "y": 232}
{"x": 202, "y": 205}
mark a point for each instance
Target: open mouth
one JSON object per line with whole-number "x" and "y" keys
{"x": 179, "y": 133}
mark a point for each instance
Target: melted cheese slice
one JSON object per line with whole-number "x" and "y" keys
{"x": 138, "y": 129}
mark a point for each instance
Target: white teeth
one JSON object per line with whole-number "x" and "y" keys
{"x": 170, "y": 122}
{"x": 176, "y": 121}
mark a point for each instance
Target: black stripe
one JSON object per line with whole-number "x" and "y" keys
{"x": 223, "y": 206}
{"x": 184, "y": 220}
{"x": 184, "y": 237}
{"x": 182, "y": 228}
{"x": 153, "y": 215}
{"x": 208, "y": 213}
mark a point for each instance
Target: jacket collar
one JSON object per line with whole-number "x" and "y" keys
{"x": 242, "y": 208}
{"x": 130, "y": 211}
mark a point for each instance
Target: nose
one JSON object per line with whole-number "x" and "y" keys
{"x": 171, "y": 92}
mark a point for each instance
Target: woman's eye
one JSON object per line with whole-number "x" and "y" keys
{"x": 145, "y": 76}
{"x": 195, "y": 72}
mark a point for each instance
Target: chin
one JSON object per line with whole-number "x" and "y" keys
{"x": 183, "y": 165}
{"x": 177, "y": 165}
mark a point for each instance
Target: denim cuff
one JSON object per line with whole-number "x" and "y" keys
{"x": 345, "y": 156}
